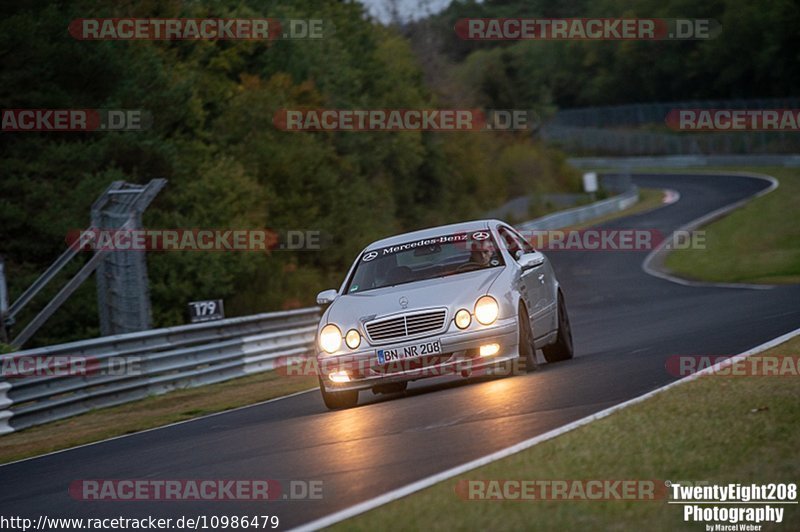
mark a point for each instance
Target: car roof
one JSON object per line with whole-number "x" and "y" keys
{"x": 431, "y": 232}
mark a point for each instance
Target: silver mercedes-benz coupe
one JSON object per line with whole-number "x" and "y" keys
{"x": 454, "y": 299}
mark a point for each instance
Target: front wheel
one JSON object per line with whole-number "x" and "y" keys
{"x": 338, "y": 400}
{"x": 561, "y": 349}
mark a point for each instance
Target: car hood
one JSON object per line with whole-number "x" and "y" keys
{"x": 456, "y": 291}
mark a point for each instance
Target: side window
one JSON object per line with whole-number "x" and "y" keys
{"x": 510, "y": 241}
{"x": 526, "y": 246}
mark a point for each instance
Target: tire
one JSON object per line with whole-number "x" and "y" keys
{"x": 527, "y": 352}
{"x": 338, "y": 400}
{"x": 561, "y": 349}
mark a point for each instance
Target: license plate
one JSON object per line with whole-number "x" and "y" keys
{"x": 432, "y": 347}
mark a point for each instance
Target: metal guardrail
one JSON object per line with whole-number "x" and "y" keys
{"x": 585, "y": 213}
{"x": 124, "y": 368}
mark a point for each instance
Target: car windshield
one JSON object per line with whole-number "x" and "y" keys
{"x": 422, "y": 259}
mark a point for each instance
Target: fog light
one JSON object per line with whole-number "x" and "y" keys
{"x": 340, "y": 376}
{"x": 489, "y": 350}
{"x": 463, "y": 319}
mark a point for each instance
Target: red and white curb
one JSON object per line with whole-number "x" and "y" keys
{"x": 670, "y": 196}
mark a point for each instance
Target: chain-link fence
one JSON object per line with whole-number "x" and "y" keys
{"x": 641, "y": 129}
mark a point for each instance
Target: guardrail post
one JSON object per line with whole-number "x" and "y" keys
{"x": 5, "y": 415}
{"x": 3, "y": 302}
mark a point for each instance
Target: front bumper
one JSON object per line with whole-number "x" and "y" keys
{"x": 460, "y": 354}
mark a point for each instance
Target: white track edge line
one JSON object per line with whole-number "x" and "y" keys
{"x": 421, "y": 484}
{"x": 155, "y": 428}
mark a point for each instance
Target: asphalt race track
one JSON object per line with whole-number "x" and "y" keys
{"x": 625, "y": 325}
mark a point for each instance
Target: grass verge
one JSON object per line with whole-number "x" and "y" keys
{"x": 148, "y": 413}
{"x": 715, "y": 429}
{"x": 759, "y": 243}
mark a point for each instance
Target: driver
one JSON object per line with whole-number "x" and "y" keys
{"x": 481, "y": 254}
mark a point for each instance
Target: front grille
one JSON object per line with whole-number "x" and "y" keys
{"x": 406, "y": 325}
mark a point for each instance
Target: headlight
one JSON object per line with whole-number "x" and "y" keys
{"x": 463, "y": 318}
{"x": 353, "y": 339}
{"x": 330, "y": 338}
{"x": 486, "y": 310}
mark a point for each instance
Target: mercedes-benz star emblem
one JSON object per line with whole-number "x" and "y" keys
{"x": 403, "y": 302}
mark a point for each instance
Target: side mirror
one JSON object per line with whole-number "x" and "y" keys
{"x": 531, "y": 260}
{"x": 326, "y": 297}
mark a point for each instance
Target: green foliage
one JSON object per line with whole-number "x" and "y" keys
{"x": 754, "y": 56}
{"x": 227, "y": 165}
